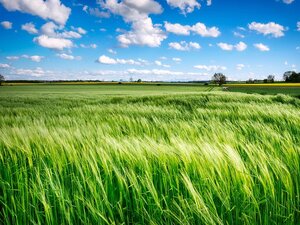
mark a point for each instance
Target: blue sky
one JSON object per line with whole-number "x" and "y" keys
{"x": 153, "y": 40}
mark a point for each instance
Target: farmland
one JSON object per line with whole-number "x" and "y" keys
{"x": 117, "y": 154}
{"x": 292, "y": 89}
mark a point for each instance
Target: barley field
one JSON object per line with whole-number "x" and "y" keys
{"x": 147, "y": 155}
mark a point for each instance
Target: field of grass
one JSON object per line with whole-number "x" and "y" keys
{"x": 292, "y": 89}
{"x": 147, "y": 155}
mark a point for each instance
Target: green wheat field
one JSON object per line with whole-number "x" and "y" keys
{"x": 113, "y": 154}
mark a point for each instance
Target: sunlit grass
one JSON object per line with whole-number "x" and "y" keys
{"x": 206, "y": 158}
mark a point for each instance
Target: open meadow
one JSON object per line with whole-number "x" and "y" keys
{"x": 116, "y": 154}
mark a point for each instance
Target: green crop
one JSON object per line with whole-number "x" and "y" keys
{"x": 193, "y": 158}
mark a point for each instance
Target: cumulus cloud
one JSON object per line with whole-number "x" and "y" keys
{"x": 34, "y": 58}
{"x": 177, "y": 28}
{"x": 4, "y": 66}
{"x": 298, "y": 26}
{"x": 30, "y": 28}
{"x": 143, "y": 31}
{"x": 238, "y": 34}
{"x": 262, "y": 47}
{"x": 6, "y": 25}
{"x": 12, "y": 57}
{"x": 184, "y": 46}
{"x": 225, "y": 46}
{"x": 53, "y": 43}
{"x": 240, "y": 66}
{"x": 176, "y": 59}
{"x": 185, "y": 6}
{"x": 159, "y": 63}
{"x": 95, "y": 12}
{"x": 80, "y": 30}
{"x": 88, "y": 46}
{"x": 198, "y": 28}
{"x": 111, "y": 61}
{"x": 111, "y": 51}
{"x": 273, "y": 29}
{"x": 68, "y": 57}
{"x": 51, "y": 30}
{"x": 210, "y": 67}
{"x": 288, "y": 1}
{"x": 49, "y": 9}
{"x": 241, "y": 46}
{"x": 37, "y": 72}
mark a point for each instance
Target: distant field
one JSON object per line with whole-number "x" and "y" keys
{"x": 71, "y": 90}
{"x": 267, "y": 89}
{"x": 163, "y": 155}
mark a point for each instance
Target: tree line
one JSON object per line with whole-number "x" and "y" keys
{"x": 289, "y": 77}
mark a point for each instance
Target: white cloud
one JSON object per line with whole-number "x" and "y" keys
{"x": 34, "y": 58}
{"x": 198, "y": 28}
{"x": 49, "y": 9}
{"x": 30, "y": 28}
{"x": 186, "y": 6}
{"x": 50, "y": 29}
{"x": 209, "y": 2}
{"x": 225, "y": 46}
{"x": 96, "y": 12}
{"x": 177, "y": 28}
{"x": 6, "y": 24}
{"x": 12, "y": 57}
{"x": 111, "y": 51}
{"x": 88, "y": 46}
{"x": 4, "y": 66}
{"x": 159, "y": 63}
{"x": 238, "y": 34}
{"x": 106, "y": 60}
{"x": 177, "y": 59}
{"x": 240, "y": 66}
{"x": 111, "y": 61}
{"x": 274, "y": 29}
{"x": 68, "y": 57}
{"x": 143, "y": 32}
{"x": 288, "y": 1}
{"x": 298, "y": 26}
{"x": 37, "y": 72}
{"x": 241, "y": 46}
{"x": 204, "y": 31}
{"x": 163, "y": 73}
{"x": 184, "y": 46}
{"x": 210, "y": 67}
{"x": 262, "y": 47}
{"x": 53, "y": 43}
{"x": 80, "y": 30}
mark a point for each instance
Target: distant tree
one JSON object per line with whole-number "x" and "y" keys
{"x": 291, "y": 76}
{"x": 250, "y": 81}
{"x": 219, "y": 78}
{"x": 2, "y": 79}
{"x": 271, "y": 79}
{"x": 139, "y": 81}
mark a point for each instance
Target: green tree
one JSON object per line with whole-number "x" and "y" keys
{"x": 271, "y": 79}
{"x": 291, "y": 76}
{"x": 219, "y": 78}
{"x": 2, "y": 79}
